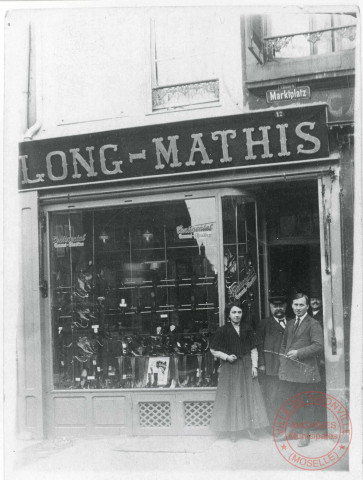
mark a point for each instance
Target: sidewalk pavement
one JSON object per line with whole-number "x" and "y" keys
{"x": 153, "y": 457}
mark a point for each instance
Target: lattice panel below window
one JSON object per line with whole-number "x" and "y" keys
{"x": 197, "y": 414}
{"x": 154, "y": 414}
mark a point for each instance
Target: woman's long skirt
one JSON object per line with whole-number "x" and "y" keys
{"x": 239, "y": 403}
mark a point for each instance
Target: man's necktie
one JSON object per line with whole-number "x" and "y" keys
{"x": 296, "y": 326}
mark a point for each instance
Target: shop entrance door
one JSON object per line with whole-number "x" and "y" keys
{"x": 295, "y": 268}
{"x": 290, "y": 239}
{"x": 300, "y": 249}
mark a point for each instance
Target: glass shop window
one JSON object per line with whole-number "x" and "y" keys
{"x": 184, "y": 60}
{"x": 135, "y": 295}
{"x": 301, "y": 35}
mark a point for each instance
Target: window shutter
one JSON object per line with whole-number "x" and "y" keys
{"x": 255, "y": 37}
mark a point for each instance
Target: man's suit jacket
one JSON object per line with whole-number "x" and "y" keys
{"x": 308, "y": 341}
{"x": 321, "y": 357}
{"x": 270, "y": 338}
{"x": 319, "y": 317}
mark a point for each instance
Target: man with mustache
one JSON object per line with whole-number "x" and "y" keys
{"x": 271, "y": 332}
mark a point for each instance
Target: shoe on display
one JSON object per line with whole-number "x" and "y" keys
{"x": 80, "y": 293}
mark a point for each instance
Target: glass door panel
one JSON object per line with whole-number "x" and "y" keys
{"x": 240, "y": 242}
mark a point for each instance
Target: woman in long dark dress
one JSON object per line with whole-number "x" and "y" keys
{"x": 239, "y": 403}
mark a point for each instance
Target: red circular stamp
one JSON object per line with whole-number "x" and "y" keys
{"x": 325, "y": 442}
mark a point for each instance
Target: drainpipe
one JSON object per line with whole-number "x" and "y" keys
{"x": 35, "y": 49}
{"x": 245, "y": 91}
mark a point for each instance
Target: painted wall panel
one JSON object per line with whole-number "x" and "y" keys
{"x": 31, "y": 412}
{"x": 30, "y": 404}
{"x": 108, "y": 411}
{"x": 70, "y": 411}
{"x": 28, "y": 311}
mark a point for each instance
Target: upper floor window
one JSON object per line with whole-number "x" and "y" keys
{"x": 84, "y": 67}
{"x": 301, "y": 35}
{"x": 184, "y": 60}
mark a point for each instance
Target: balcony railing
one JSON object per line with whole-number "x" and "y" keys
{"x": 186, "y": 94}
{"x": 270, "y": 46}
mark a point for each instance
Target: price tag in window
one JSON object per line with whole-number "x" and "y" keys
{"x": 62, "y": 363}
{"x": 90, "y": 377}
{"x": 77, "y": 379}
{"x": 95, "y": 328}
{"x": 94, "y": 362}
{"x": 111, "y": 374}
{"x": 98, "y": 369}
{"x": 164, "y": 315}
{"x": 124, "y": 377}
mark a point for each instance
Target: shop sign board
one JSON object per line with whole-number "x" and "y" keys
{"x": 205, "y": 145}
{"x": 198, "y": 231}
{"x": 69, "y": 241}
{"x": 288, "y": 94}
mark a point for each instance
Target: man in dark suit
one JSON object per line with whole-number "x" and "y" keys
{"x": 301, "y": 344}
{"x": 271, "y": 331}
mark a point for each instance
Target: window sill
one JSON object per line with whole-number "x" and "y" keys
{"x": 118, "y": 391}
{"x": 184, "y": 108}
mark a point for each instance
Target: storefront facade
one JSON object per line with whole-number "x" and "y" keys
{"x": 139, "y": 237}
{"x": 135, "y": 284}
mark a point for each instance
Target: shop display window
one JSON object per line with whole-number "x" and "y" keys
{"x": 135, "y": 295}
{"x": 135, "y": 291}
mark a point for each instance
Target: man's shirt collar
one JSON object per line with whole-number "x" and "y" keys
{"x": 301, "y": 318}
{"x": 278, "y": 320}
